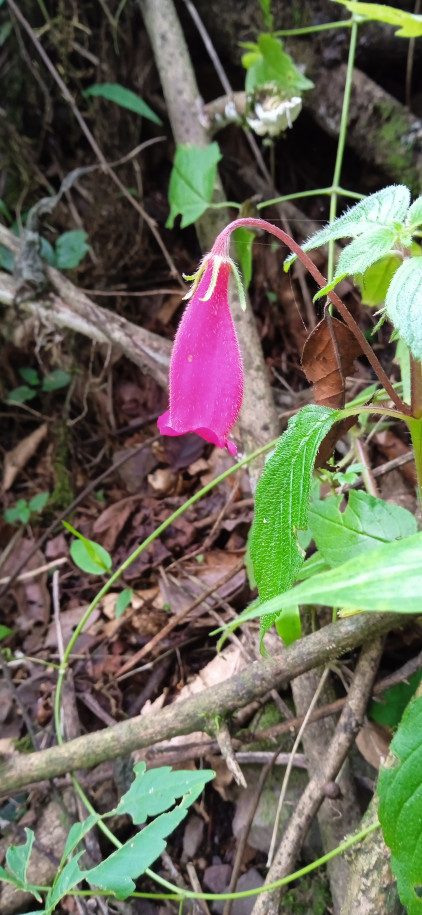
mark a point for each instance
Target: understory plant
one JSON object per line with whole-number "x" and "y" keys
{"x": 361, "y": 551}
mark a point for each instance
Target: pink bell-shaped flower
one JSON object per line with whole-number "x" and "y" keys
{"x": 206, "y": 375}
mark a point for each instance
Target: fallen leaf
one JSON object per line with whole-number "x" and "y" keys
{"x": 16, "y": 459}
{"x": 328, "y": 357}
{"x": 373, "y": 742}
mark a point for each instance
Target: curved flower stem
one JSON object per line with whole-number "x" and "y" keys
{"x": 220, "y": 248}
{"x": 125, "y": 565}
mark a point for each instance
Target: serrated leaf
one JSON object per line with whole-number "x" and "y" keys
{"x": 410, "y": 24}
{"x": 367, "y": 582}
{"x": 364, "y": 524}
{"x": 123, "y": 601}
{"x": 403, "y": 303}
{"x": 155, "y": 790}
{"x": 90, "y": 557}
{"x": 243, "y": 240}
{"x": 71, "y": 248}
{"x": 192, "y": 182}
{"x": 274, "y": 66}
{"x": 375, "y": 281}
{"x": 56, "y": 380}
{"x": 400, "y": 807}
{"x": 17, "y": 857}
{"x": 282, "y": 503}
{"x": 113, "y": 92}
{"x": 364, "y": 251}
{"x": 382, "y": 209}
{"x": 414, "y": 216}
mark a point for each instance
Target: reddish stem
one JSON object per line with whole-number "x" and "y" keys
{"x": 221, "y": 247}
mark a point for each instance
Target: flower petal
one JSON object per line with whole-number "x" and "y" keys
{"x": 206, "y": 376}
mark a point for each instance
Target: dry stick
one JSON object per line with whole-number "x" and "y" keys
{"x": 195, "y": 713}
{"x": 91, "y": 140}
{"x": 291, "y": 762}
{"x": 70, "y": 508}
{"x": 313, "y": 796}
{"x": 156, "y": 639}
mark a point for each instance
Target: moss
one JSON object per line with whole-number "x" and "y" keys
{"x": 393, "y": 139}
{"x": 310, "y": 897}
{"x": 62, "y": 494}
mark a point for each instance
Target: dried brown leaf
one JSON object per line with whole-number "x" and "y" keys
{"x": 328, "y": 357}
{"x": 16, "y": 459}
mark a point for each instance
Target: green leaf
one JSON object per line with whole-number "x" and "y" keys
{"x": 312, "y": 566}
{"x": 266, "y": 13}
{"x": 7, "y": 259}
{"x": 113, "y": 92}
{"x": 56, "y": 380}
{"x": 71, "y": 248}
{"x": 410, "y": 24}
{"x": 365, "y": 523}
{"x": 17, "y": 857}
{"x": 403, "y": 303}
{"x": 192, "y": 182}
{"x": 414, "y": 216}
{"x": 5, "y": 632}
{"x": 21, "y": 394}
{"x": 367, "y": 582}
{"x": 269, "y": 64}
{"x": 48, "y": 253}
{"x": 289, "y": 626}
{"x": 243, "y": 240}
{"x": 30, "y": 376}
{"x": 65, "y": 881}
{"x": 88, "y": 555}
{"x": 282, "y": 502}
{"x": 389, "y": 710}
{"x": 38, "y": 502}
{"x": 382, "y": 209}
{"x": 155, "y": 790}
{"x": 123, "y": 602}
{"x": 77, "y": 832}
{"x": 364, "y": 251}
{"x": 376, "y": 279}
{"x": 19, "y": 512}
{"x": 403, "y": 358}
{"x": 400, "y": 808}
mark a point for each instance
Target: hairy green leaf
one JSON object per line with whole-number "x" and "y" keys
{"x": 414, "y": 216}
{"x": 403, "y": 303}
{"x": 282, "y": 502}
{"x": 400, "y": 808}
{"x": 376, "y": 279}
{"x": 369, "y": 581}
{"x": 243, "y": 240}
{"x": 380, "y": 210}
{"x": 365, "y": 523}
{"x": 364, "y": 251}
{"x": 410, "y": 24}
{"x": 192, "y": 182}
{"x": 113, "y": 92}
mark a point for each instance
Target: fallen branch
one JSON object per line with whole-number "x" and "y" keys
{"x": 199, "y": 712}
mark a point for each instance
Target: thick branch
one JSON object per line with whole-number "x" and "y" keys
{"x": 71, "y": 308}
{"x": 194, "y": 714}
